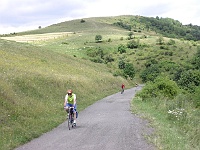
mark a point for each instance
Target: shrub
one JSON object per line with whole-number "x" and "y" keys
{"x": 123, "y": 25}
{"x": 196, "y": 59}
{"x": 171, "y": 42}
{"x": 121, "y": 64}
{"x": 161, "y": 86}
{"x": 133, "y": 44}
{"x": 122, "y": 49}
{"x": 150, "y": 73}
{"x": 130, "y": 34}
{"x": 109, "y": 40}
{"x": 97, "y": 60}
{"x": 108, "y": 58}
{"x": 98, "y": 38}
{"x": 150, "y": 62}
{"x": 82, "y": 21}
{"x": 189, "y": 80}
{"x": 160, "y": 40}
{"x": 196, "y": 97}
{"x": 166, "y": 87}
{"x": 95, "y": 52}
{"x": 129, "y": 71}
{"x": 164, "y": 47}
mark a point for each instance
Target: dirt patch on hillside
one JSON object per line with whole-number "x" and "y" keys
{"x": 37, "y": 37}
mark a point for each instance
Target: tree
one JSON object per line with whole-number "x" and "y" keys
{"x": 196, "y": 59}
{"x": 150, "y": 73}
{"x": 98, "y": 38}
{"x": 108, "y": 58}
{"x": 82, "y": 21}
{"x": 133, "y": 44}
{"x": 150, "y": 62}
{"x": 129, "y": 71}
{"x": 100, "y": 52}
{"x": 122, "y": 48}
{"x": 189, "y": 80}
{"x": 160, "y": 40}
{"x": 121, "y": 64}
{"x": 130, "y": 34}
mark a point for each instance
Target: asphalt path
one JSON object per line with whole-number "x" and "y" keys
{"x": 106, "y": 125}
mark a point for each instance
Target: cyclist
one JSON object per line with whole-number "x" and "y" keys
{"x": 136, "y": 85}
{"x": 70, "y": 101}
{"x": 123, "y": 86}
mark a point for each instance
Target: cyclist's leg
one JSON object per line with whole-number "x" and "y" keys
{"x": 75, "y": 114}
{"x": 67, "y": 107}
{"x": 122, "y": 90}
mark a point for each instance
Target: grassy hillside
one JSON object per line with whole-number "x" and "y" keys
{"x": 81, "y": 39}
{"x": 33, "y": 85}
{"x": 36, "y": 73}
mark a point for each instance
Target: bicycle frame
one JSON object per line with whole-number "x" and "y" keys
{"x": 71, "y": 118}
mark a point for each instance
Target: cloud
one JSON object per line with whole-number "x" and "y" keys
{"x": 34, "y": 10}
{"x": 16, "y": 14}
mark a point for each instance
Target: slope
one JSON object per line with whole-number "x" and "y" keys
{"x": 33, "y": 85}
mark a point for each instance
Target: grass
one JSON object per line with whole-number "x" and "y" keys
{"x": 171, "y": 132}
{"x": 33, "y": 85}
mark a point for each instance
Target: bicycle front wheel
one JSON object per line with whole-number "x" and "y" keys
{"x": 69, "y": 121}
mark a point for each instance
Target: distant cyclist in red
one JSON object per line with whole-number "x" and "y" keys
{"x": 123, "y": 87}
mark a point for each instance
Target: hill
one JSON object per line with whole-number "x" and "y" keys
{"x": 37, "y": 71}
{"x": 33, "y": 85}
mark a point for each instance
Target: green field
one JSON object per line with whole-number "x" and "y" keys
{"x": 37, "y": 67}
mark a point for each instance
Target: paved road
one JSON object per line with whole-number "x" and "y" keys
{"x": 106, "y": 125}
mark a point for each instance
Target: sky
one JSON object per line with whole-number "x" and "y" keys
{"x": 23, "y": 15}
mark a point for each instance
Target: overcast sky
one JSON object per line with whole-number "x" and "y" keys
{"x": 22, "y": 15}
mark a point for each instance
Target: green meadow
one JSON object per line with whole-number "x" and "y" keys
{"x": 38, "y": 66}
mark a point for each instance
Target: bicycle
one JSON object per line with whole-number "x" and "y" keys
{"x": 122, "y": 91}
{"x": 70, "y": 118}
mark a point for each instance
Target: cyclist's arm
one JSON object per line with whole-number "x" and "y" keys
{"x": 74, "y": 99}
{"x": 66, "y": 101}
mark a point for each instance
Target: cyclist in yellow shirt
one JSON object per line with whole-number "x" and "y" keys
{"x": 70, "y": 101}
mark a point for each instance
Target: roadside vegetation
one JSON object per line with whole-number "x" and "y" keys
{"x": 171, "y": 102}
{"x": 94, "y": 58}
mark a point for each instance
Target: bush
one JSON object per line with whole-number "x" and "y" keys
{"x": 150, "y": 73}
{"x": 164, "y": 47}
{"x": 97, "y": 60}
{"x": 196, "y": 59}
{"x": 95, "y": 52}
{"x": 108, "y": 58}
{"x": 196, "y": 97}
{"x": 162, "y": 86}
{"x": 189, "y": 80}
{"x": 171, "y": 42}
{"x": 98, "y": 38}
{"x": 121, "y": 64}
{"x": 109, "y": 40}
{"x": 129, "y": 71}
{"x": 122, "y": 49}
{"x": 82, "y": 21}
{"x": 150, "y": 62}
{"x": 166, "y": 87}
{"x": 133, "y": 44}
